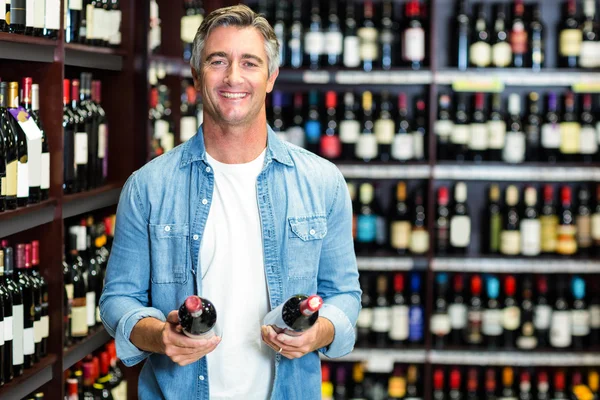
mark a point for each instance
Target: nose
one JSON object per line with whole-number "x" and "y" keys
{"x": 233, "y": 75}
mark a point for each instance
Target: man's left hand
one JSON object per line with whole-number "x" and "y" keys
{"x": 319, "y": 335}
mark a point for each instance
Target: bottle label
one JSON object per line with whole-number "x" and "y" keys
{"x": 368, "y": 49}
{"x": 92, "y": 17}
{"x": 551, "y": 136}
{"x": 474, "y": 326}
{"x": 37, "y": 331}
{"x": 79, "y": 325}
{"x": 443, "y": 128}
{"x": 381, "y": 237}
{"x": 381, "y": 319}
{"x": 102, "y": 140}
{"x": 492, "y": 322}
{"x": 3, "y": 186}
{"x": 566, "y": 243}
{"x": 365, "y": 318}
{"x": 2, "y": 10}
{"x": 527, "y": 342}
{"x": 351, "y": 51}
{"x": 45, "y": 326}
{"x": 11, "y": 178}
{"x": 480, "y": 54}
{"x": 588, "y": 143}
{"x": 594, "y": 316}
{"x": 542, "y": 317}
{"x": 161, "y": 128}
{"x": 570, "y": 42}
{"x": 334, "y": 43}
{"x": 402, "y": 147}
{"x": 29, "y": 15}
{"x": 511, "y": 318}
{"x": 497, "y": 134}
{"x": 115, "y": 38}
{"x": 45, "y": 183}
{"x": 90, "y": 301}
{"x": 366, "y": 147}
{"x": 39, "y": 7}
{"x": 313, "y": 131}
{"x": 514, "y": 150}
{"x": 588, "y": 57}
{"x": 294, "y": 44}
{"x": 510, "y": 242}
{"x": 580, "y": 320}
{"x": 349, "y": 131}
{"x": 330, "y": 146}
{"x": 501, "y": 54}
{"x": 189, "y": 27}
{"x": 440, "y": 324}
{"x": 384, "y": 131}
{"x": 167, "y": 142}
{"x": 400, "y": 232}
{"x": 569, "y": 137}
{"x": 495, "y": 229}
{"x": 314, "y": 43}
{"x": 518, "y": 38}
{"x": 296, "y": 136}
{"x": 419, "y": 241}
{"x": 460, "y": 231}
{"x": 460, "y": 134}
{"x": 530, "y": 237}
{"x": 415, "y": 323}
{"x": 2, "y": 333}
{"x": 479, "y": 137}
{"x": 76, "y": 5}
{"x": 81, "y": 148}
{"x": 418, "y": 145}
{"x": 560, "y": 330}
{"x": 596, "y": 226}
{"x": 399, "y": 327}
{"x": 18, "y": 339}
{"x": 52, "y": 14}
{"x": 8, "y": 328}
{"x": 367, "y": 228}
{"x": 22, "y": 179}
{"x": 458, "y": 315}
{"x": 413, "y": 48}
{"x": 584, "y": 230}
{"x": 549, "y": 232}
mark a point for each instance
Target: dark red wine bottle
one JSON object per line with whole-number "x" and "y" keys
{"x": 297, "y": 314}
{"x": 197, "y": 317}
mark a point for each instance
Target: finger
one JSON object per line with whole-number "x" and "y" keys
{"x": 180, "y": 340}
{"x": 173, "y": 317}
{"x": 291, "y": 341}
{"x": 292, "y": 354}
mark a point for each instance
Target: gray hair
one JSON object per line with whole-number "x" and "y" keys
{"x": 241, "y": 16}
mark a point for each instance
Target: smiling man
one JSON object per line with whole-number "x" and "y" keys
{"x": 241, "y": 218}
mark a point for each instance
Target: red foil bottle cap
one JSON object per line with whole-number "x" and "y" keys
{"x": 330, "y": 99}
{"x": 458, "y": 283}
{"x": 97, "y": 91}
{"x": 193, "y": 304}
{"x": 559, "y": 381}
{"x": 443, "y": 195}
{"x": 542, "y": 285}
{"x": 66, "y": 91}
{"x": 104, "y": 363}
{"x": 510, "y": 285}
{"x": 26, "y": 85}
{"x": 27, "y": 256}
{"x": 565, "y": 194}
{"x": 473, "y": 380}
{"x": 455, "y": 379}
{"x": 438, "y": 379}
{"x": 312, "y": 304}
{"x": 20, "y": 256}
{"x": 325, "y": 373}
{"x": 548, "y": 193}
{"x": 35, "y": 252}
{"x": 398, "y": 282}
{"x": 75, "y": 89}
{"x": 402, "y": 100}
{"x": 476, "y": 285}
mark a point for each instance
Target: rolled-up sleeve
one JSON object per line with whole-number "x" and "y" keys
{"x": 125, "y": 298}
{"x": 338, "y": 274}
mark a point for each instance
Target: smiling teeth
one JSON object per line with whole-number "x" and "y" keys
{"x": 234, "y": 95}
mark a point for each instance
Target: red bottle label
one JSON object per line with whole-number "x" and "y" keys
{"x": 331, "y": 146}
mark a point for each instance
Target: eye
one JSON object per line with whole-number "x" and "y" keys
{"x": 216, "y": 62}
{"x": 250, "y": 64}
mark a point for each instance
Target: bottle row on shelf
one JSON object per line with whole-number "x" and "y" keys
{"x": 33, "y": 18}
{"x": 91, "y": 22}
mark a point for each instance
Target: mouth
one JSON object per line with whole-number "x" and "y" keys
{"x": 233, "y": 95}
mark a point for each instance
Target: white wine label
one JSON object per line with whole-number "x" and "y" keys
{"x": 588, "y": 143}
{"x": 115, "y": 38}
{"x": 349, "y": 131}
{"x": 161, "y": 128}
{"x": 460, "y": 134}
{"x": 413, "y": 48}
{"x": 418, "y": 145}
{"x": 334, "y": 43}
{"x": 570, "y": 137}
{"x": 188, "y": 126}
{"x": 402, "y": 147}
{"x": 497, "y": 134}
{"x": 399, "y": 327}
{"x": 18, "y": 335}
{"x": 492, "y": 323}
{"x": 2, "y": 10}
{"x": 551, "y": 136}
{"x": 76, "y": 5}
{"x": 587, "y": 57}
{"x": 296, "y": 136}
{"x": 511, "y": 318}
{"x": 39, "y": 7}
{"x": 37, "y": 331}
{"x": 351, "y": 55}
{"x": 45, "y": 322}
{"x": 29, "y": 13}
{"x": 294, "y": 44}
{"x": 531, "y": 235}
{"x": 480, "y": 54}
{"x": 3, "y": 186}
{"x": 443, "y": 128}
{"x": 102, "y": 140}
{"x": 478, "y": 137}
{"x": 45, "y": 184}
{"x": 460, "y": 231}
{"x": 1, "y": 333}
{"x": 90, "y": 301}
{"x": 542, "y": 317}
{"x": 596, "y": 226}
{"x": 92, "y": 17}
{"x": 53, "y": 14}
{"x": 79, "y": 325}
{"x": 594, "y": 316}
{"x": 510, "y": 242}
{"x": 560, "y": 329}
{"x": 458, "y": 315}
{"x": 81, "y": 148}
{"x": 381, "y": 319}
{"x": 580, "y": 322}
{"x": 440, "y": 324}
{"x": 8, "y": 328}
{"x": 189, "y": 27}
{"x": 501, "y": 54}
{"x": 570, "y": 42}
{"x": 11, "y": 178}
{"x": 384, "y": 131}
{"x": 314, "y": 43}
{"x": 28, "y": 342}
{"x": 368, "y": 51}
{"x": 368, "y": 34}
{"x": 22, "y": 180}
{"x": 167, "y": 142}
{"x": 366, "y": 147}
{"x": 400, "y": 234}
{"x": 365, "y": 318}
{"x": 419, "y": 242}
{"x": 34, "y": 161}
{"x": 514, "y": 150}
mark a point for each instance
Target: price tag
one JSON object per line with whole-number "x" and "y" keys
{"x": 586, "y": 87}
{"x": 380, "y": 362}
{"x": 315, "y": 77}
{"x": 478, "y": 84}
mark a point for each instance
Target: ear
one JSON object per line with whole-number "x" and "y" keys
{"x": 197, "y": 79}
{"x": 271, "y": 80}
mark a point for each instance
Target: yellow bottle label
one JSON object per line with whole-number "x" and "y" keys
{"x": 570, "y": 137}
{"x": 566, "y": 243}
{"x": 549, "y": 226}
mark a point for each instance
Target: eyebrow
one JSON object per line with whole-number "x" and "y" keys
{"x": 245, "y": 56}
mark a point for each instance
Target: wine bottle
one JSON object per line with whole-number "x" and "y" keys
{"x": 530, "y": 225}
{"x": 527, "y": 339}
{"x": 457, "y": 310}
{"x": 570, "y": 130}
{"x": 387, "y": 36}
{"x": 415, "y": 311}
{"x": 588, "y": 142}
{"x": 413, "y": 37}
{"x": 399, "y": 313}
{"x": 34, "y": 148}
{"x": 490, "y": 385}
{"x": 380, "y": 328}
{"x": 396, "y": 384}
{"x": 79, "y": 327}
{"x": 403, "y": 146}
{"x": 101, "y": 157}
{"x": 491, "y": 325}
{"x": 295, "y": 133}
{"x": 481, "y": 51}
{"x": 191, "y": 20}
{"x": 368, "y": 35}
{"x": 314, "y": 39}
{"x": 494, "y": 219}
{"x": 384, "y": 127}
{"x": 594, "y": 311}
{"x": 366, "y": 147}
{"x": 358, "y": 387}
{"x": 515, "y": 146}
{"x": 473, "y": 333}
{"x": 478, "y": 137}
{"x": 3, "y": 160}
{"x": 443, "y": 127}
{"x": 536, "y": 28}
{"x": 20, "y": 141}
{"x": 440, "y": 320}
{"x": 460, "y": 222}
{"x": 7, "y": 328}
{"x": 543, "y": 386}
{"x": 367, "y": 220}
{"x": 84, "y": 127}
{"x": 296, "y": 36}
{"x": 349, "y": 128}
{"x": 400, "y": 227}
{"x": 197, "y": 317}
{"x": 10, "y": 150}
{"x": 560, "y": 391}
{"x": 72, "y": 21}
{"x": 419, "y": 131}
{"x": 533, "y": 124}
{"x": 580, "y": 315}
{"x": 296, "y": 315}
{"x": 43, "y": 285}
{"x": 365, "y": 316}
{"x": 419, "y": 236}
{"x": 27, "y": 288}
{"x": 460, "y": 32}
{"x": 525, "y": 392}
{"x": 511, "y": 313}
{"x": 442, "y": 222}
{"x": 17, "y": 16}
{"x": 70, "y": 121}
{"x": 438, "y": 384}
{"x": 17, "y": 312}
{"x": 510, "y": 237}
{"x": 3, "y": 23}
{"x": 281, "y": 31}
{"x": 351, "y": 55}
{"x": 497, "y": 129}
{"x": 508, "y": 382}
{"x": 588, "y": 56}
{"x": 501, "y": 50}
{"x": 560, "y": 325}
{"x": 36, "y": 289}
{"x": 413, "y": 382}
{"x": 570, "y": 37}
{"x": 461, "y": 133}
{"x": 333, "y": 36}
{"x": 472, "y": 384}
{"x": 312, "y": 126}
{"x": 326, "y": 384}
{"x": 551, "y": 136}
{"x": 596, "y": 223}
{"x": 455, "y": 385}
{"x": 566, "y": 243}
{"x": 45, "y": 158}
{"x": 331, "y": 147}
{"x": 518, "y": 35}
{"x": 549, "y": 221}
{"x": 583, "y": 222}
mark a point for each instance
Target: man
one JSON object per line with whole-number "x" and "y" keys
{"x": 241, "y": 218}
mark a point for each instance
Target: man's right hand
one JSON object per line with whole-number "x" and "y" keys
{"x": 180, "y": 348}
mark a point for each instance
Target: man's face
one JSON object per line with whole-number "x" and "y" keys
{"x": 234, "y": 75}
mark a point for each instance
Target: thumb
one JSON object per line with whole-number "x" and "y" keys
{"x": 173, "y": 317}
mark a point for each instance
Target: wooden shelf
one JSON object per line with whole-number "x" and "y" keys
{"x": 90, "y": 344}
{"x": 80, "y": 55}
{"x": 84, "y": 202}
{"x": 503, "y": 265}
{"x": 23, "y": 218}
{"x": 550, "y": 358}
{"x": 524, "y": 172}
{"x": 31, "y": 380}
{"x": 391, "y": 263}
{"x": 26, "y": 48}
{"x": 341, "y": 76}
{"x": 382, "y": 360}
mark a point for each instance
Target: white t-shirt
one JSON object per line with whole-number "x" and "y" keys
{"x": 233, "y": 278}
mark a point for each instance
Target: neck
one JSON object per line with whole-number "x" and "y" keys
{"x": 234, "y": 144}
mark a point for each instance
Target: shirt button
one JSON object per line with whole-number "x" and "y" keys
{"x": 195, "y": 237}
{"x": 167, "y": 228}
{"x": 204, "y": 201}
{"x": 207, "y": 169}
{"x": 312, "y": 232}
{"x": 201, "y": 377}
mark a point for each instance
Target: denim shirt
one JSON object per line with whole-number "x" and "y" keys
{"x": 306, "y": 219}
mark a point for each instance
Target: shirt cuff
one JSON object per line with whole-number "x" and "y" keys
{"x": 127, "y": 352}
{"x": 344, "y": 334}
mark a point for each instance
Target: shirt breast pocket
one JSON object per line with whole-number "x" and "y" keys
{"x": 169, "y": 252}
{"x": 305, "y": 240}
